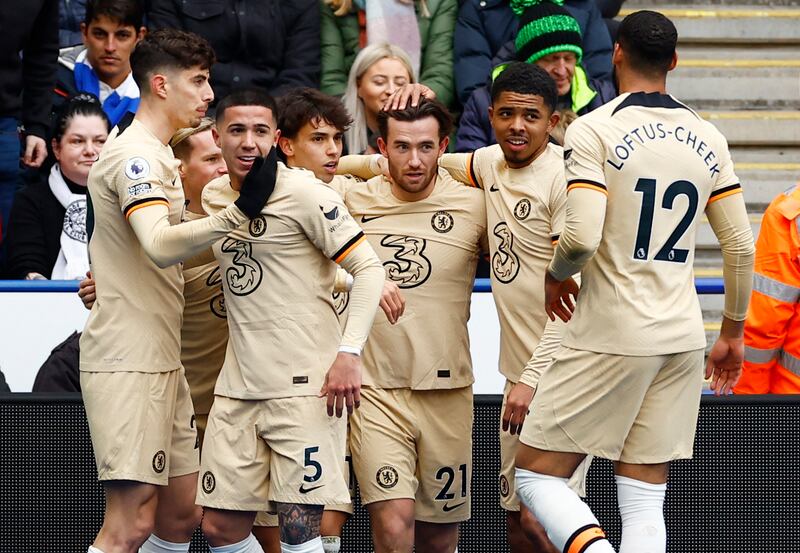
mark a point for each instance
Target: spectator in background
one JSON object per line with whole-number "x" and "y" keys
{"x": 59, "y": 373}
{"x": 47, "y": 230}
{"x": 609, "y": 9}
{"x": 269, "y": 45}
{"x": 3, "y": 385}
{"x": 484, "y": 27}
{"x": 71, "y": 14}
{"x": 377, "y": 72}
{"x": 422, "y": 28}
{"x": 772, "y": 327}
{"x": 550, "y": 38}
{"x": 28, "y": 55}
{"x": 102, "y": 65}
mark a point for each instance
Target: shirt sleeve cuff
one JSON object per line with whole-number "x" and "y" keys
{"x": 350, "y": 349}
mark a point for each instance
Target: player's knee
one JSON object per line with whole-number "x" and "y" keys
{"x": 188, "y": 521}
{"x": 217, "y": 529}
{"x": 393, "y": 532}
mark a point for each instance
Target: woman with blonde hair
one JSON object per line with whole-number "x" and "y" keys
{"x": 422, "y": 28}
{"x": 377, "y": 72}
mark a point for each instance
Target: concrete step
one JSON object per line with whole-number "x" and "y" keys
{"x": 767, "y": 24}
{"x": 757, "y": 128}
{"x": 765, "y": 173}
{"x": 734, "y": 52}
{"x": 707, "y": 240}
{"x": 736, "y": 83}
{"x": 632, "y": 5}
{"x": 762, "y": 181}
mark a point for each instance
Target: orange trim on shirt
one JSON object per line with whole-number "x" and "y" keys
{"x": 473, "y": 181}
{"x": 346, "y": 252}
{"x": 146, "y": 204}
{"x": 588, "y": 186}
{"x": 724, "y": 195}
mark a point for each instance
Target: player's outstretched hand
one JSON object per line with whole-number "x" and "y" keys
{"x": 392, "y": 301}
{"x": 258, "y": 185}
{"x": 724, "y": 365}
{"x": 342, "y": 384}
{"x": 517, "y": 405}
{"x": 412, "y": 91}
{"x": 559, "y": 297}
{"x": 86, "y": 291}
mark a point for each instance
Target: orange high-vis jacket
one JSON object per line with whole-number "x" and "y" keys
{"x": 772, "y": 328}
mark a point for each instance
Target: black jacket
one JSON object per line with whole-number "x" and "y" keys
{"x": 61, "y": 371}
{"x": 270, "y": 44}
{"x": 26, "y": 81}
{"x": 3, "y": 384}
{"x": 33, "y": 239}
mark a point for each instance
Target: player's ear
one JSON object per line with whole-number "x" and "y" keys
{"x": 443, "y": 145}
{"x": 674, "y": 61}
{"x": 491, "y": 114}
{"x": 141, "y": 34}
{"x": 286, "y": 146}
{"x": 276, "y": 138}
{"x": 158, "y": 85}
{"x": 554, "y": 118}
{"x": 215, "y": 136}
{"x": 617, "y": 55}
{"x": 382, "y": 146}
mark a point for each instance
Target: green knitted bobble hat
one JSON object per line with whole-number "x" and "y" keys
{"x": 545, "y": 27}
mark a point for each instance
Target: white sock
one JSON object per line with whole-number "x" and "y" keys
{"x": 313, "y": 546}
{"x": 93, "y": 549}
{"x": 154, "y": 544}
{"x": 562, "y": 513}
{"x": 641, "y": 506}
{"x": 331, "y": 544}
{"x": 248, "y": 545}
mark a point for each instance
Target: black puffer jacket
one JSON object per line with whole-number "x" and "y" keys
{"x": 269, "y": 44}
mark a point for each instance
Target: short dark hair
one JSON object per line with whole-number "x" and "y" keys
{"x": 649, "y": 40}
{"x": 126, "y": 12}
{"x": 304, "y": 105}
{"x": 425, "y": 108}
{"x": 526, "y": 78}
{"x": 247, "y": 97}
{"x": 169, "y": 49}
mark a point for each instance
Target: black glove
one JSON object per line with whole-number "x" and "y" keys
{"x": 258, "y": 185}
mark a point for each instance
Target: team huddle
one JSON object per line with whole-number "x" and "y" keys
{"x": 273, "y": 321}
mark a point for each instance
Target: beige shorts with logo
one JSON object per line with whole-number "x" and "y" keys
{"x": 415, "y": 444}
{"x": 509, "y": 443}
{"x": 639, "y": 410}
{"x": 347, "y": 508}
{"x": 141, "y": 425}
{"x": 273, "y": 450}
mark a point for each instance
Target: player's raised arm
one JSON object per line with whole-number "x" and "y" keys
{"x": 362, "y": 166}
{"x": 727, "y": 215}
{"x": 167, "y": 244}
{"x": 461, "y": 168}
